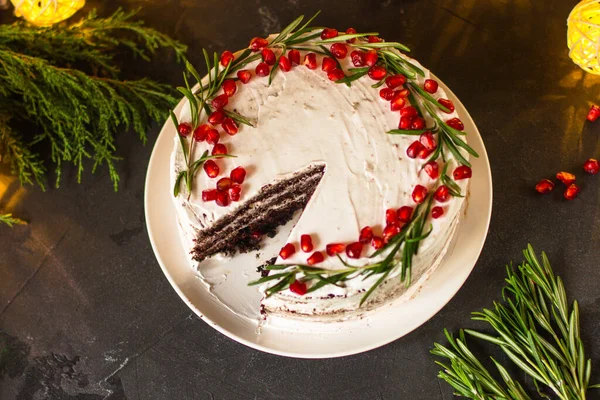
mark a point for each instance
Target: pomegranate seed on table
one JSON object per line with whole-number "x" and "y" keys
{"x": 571, "y": 192}
{"x": 456, "y": 124}
{"x": 220, "y": 101}
{"x": 211, "y": 168}
{"x": 432, "y": 169}
{"x": 366, "y": 234}
{"x": 285, "y": 64}
{"x": 298, "y": 287}
{"x": 594, "y": 113}
{"x": 462, "y": 172}
{"x": 358, "y": 58}
{"x": 262, "y": 69}
{"x": 395, "y": 81}
{"x": 566, "y": 178}
{"x": 418, "y": 123}
{"x": 419, "y": 194}
{"x": 544, "y": 186}
{"x": 306, "y": 243}
{"x": 334, "y": 248}
{"x": 430, "y": 86}
{"x": 310, "y": 60}
{"x": 397, "y": 102}
{"x": 209, "y": 195}
{"x": 351, "y": 31}
{"x": 268, "y": 56}
{"x": 286, "y": 251}
{"x": 201, "y": 132}
{"x": 377, "y": 242}
{"x": 405, "y": 122}
{"x": 328, "y": 33}
{"x": 219, "y": 148}
{"x": 336, "y": 75}
{"x": 414, "y": 149}
{"x": 377, "y": 72}
{"x": 257, "y": 44}
{"x": 315, "y": 258}
{"x": 442, "y": 194}
{"x": 328, "y": 64}
{"x": 244, "y": 76}
{"x": 238, "y": 175}
{"x": 448, "y": 104}
{"x": 235, "y": 192}
{"x": 390, "y": 231}
{"x": 230, "y": 126}
{"x": 184, "y": 129}
{"x": 437, "y": 212}
{"x": 387, "y": 94}
{"x": 222, "y": 199}
{"x": 229, "y": 87}
{"x": 591, "y": 166}
{"x": 216, "y": 117}
{"x": 213, "y": 136}
{"x": 226, "y": 58}
{"x": 224, "y": 184}
{"x": 390, "y": 216}
{"x": 294, "y": 56}
{"x": 428, "y": 140}
{"x": 354, "y": 250}
{"x": 405, "y": 214}
{"x": 371, "y": 58}
{"x": 409, "y": 111}
{"x": 374, "y": 39}
{"x": 339, "y": 50}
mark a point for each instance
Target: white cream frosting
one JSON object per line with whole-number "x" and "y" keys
{"x": 302, "y": 118}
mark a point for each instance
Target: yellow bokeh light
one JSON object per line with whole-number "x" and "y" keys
{"x": 46, "y": 12}
{"x": 583, "y": 35}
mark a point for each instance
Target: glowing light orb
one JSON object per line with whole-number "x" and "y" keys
{"x": 583, "y": 35}
{"x": 46, "y": 12}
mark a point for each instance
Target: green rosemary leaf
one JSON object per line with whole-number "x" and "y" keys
{"x": 303, "y": 39}
{"x": 282, "y": 285}
{"x": 459, "y": 142}
{"x": 190, "y": 68}
{"x": 451, "y": 184}
{"x": 193, "y": 104}
{"x": 267, "y": 279}
{"x": 378, "y": 84}
{"x": 372, "y": 288}
{"x": 455, "y": 152}
{"x": 178, "y": 183}
{"x": 276, "y": 267}
{"x": 216, "y": 69}
{"x": 303, "y": 29}
{"x": 359, "y": 70}
{"x": 198, "y": 163}
{"x": 224, "y": 74}
{"x": 238, "y": 118}
{"x": 351, "y": 78}
{"x": 346, "y": 36}
{"x": 428, "y": 97}
{"x": 419, "y": 238}
{"x": 9, "y": 220}
{"x": 287, "y": 30}
{"x": 273, "y": 69}
{"x": 407, "y": 132}
{"x": 241, "y": 58}
{"x": 311, "y": 49}
{"x": 208, "y": 69}
{"x": 381, "y": 45}
{"x": 411, "y": 66}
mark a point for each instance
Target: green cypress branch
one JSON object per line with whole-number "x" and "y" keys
{"x": 9, "y": 220}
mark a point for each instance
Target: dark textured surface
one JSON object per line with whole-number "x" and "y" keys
{"x": 88, "y": 314}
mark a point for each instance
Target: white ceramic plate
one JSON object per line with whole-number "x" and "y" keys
{"x": 231, "y": 307}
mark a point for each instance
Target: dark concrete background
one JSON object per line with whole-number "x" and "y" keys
{"x": 88, "y": 314}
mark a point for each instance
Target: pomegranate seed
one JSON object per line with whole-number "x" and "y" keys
{"x": 216, "y": 117}
{"x": 211, "y": 168}
{"x": 213, "y": 136}
{"x": 387, "y": 94}
{"x": 594, "y": 113}
{"x": 456, "y": 124}
{"x": 244, "y": 76}
{"x": 306, "y": 243}
{"x": 442, "y": 194}
{"x": 395, "y": 80}
{"x": 336, "y": 75}
{"x": 238, "y": 175}
{"x": 397, "y": 103}
{"x": 377, "y": 72}
{"x": 418, "y": 123}
{"x": 430, "y": 86}
{"x": 354, "y": 250}
{"x": 256, "y": 235}
{"x": 223, "y": 184}
{"x": 285, "y": 64}
{"x": 201, "y": 132}
{"x": 371, "y": 58}
{"x": 390, "y": 216}
{"x": 298, "y": 287}
{"x": 329, "y": 64}
{"x": 268, "y": 56}
{"x": 339, "y": 50}
{"x": 294, "y": 56}
{"x": 222, "y": 199}
{"x": 328, "y": 33}
{"x": 235, "y": 192}
{"x": 448, "y": 104}
{"x": 432, "y": 169}
{"x": 366, "y": 234}
{"x": 428, "y": 140}
{"x": 405, "y": 123}
{"x": 229, "y": 87}
{"x": 226, "y": 58}
{"x": 419, "y": 194}
{"x": 377, "y": 242}
{"x": 566, "y": 178}
{"x": 390, "y": 231}
{"x": 437, "y": 212}
{"x": 220, "y": 101}
{"x": 184, "y": 129}
{"x": 414, "y": 149}
{"x": 262, "y": 69}
{"x": 544, "y": 186}
{"x": 591, "y": 166}
{"x": 334, "y": 248}
{"x": 403, "y": 93}
{"x": 315, "y": 258}
{"x": 219, "y": 148}
{"x": 286, "y": 251}
{"x": 257, "y": 44}
{"x": 209, "y": 195}
{"x": 424, "y": 153}
{"x": 405, "y": 214}
{"x": 310, "y": 60}
{"x": 462, "y": 172}
{"x": 409, "y": 111}
{"x": 571, "y": 192}
{"x": 350, "y": 31}
{"x": 230, "y": 126}
{"x": 358, "y": 58}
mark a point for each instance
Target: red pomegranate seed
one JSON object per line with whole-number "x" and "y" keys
{"x": 456, "y": 124}
{"x": 566, "y": 178}
{"x": 286, "y": 251}
{"x": 448, "y": 104}
{"x": 257, "y": 44}
{"x": 209, "y": 195}
{"x": 222, "y": 199}
{"x": 442, "y": 194}
{"x": 424, "y": 153}
{"x": 212, "y": 136}
{"x": 294, "y": 56}
{"x": 414, "y": 149}
{"x": 285, "y": 64}
{"x": 397, "y": 102}
{"x": 184, "y": 129}
{"x": 594, "y": 113}
{"x": 430, "y": 85}
{"x": 366, "y": 234}
{"x": 334, "y": 248}
{"x": 336, "y": 75}
{"x": 377, "y": 242}
{"x": 591, "y": 166}
{"x": 224, "y": 184}
{"x": 405, "y": 214}
{"x": 339, "y": 50}
{"x": 230, "y": 126}
{"x": 262, "y": 69}
{"x": 391, "y": 216}
{"x": 328, "y": 33}
{"x": 432, "y": 169}
{"x": 462, "y": 172}
{"x": 387, "y": 94}
{"x": 428, "y": 140}
{"x": 216, "y": 117}
{"x": 268, "y": 56}
{"x": 298, "y": 287}
{"x": 256, "y": 235}
{"x": 306, "y": 243}
{"x": 395, "y": 81}
{"x": 390, "y": 231}
{"x": 201, "y": 132}
{"x": 437, "y": 212}
{"x": 315, "y": 258}
{"x": 571, "y": 192}
{"x": 220, "y": 101}
{"x": 226, "y": 58}
{"x": 229, "y": 87}
{"x": 371, "y": 58}
{"x": 354, "y": 250}
{"x": 375, "y": 39}
{"x": 377, "y": 72}
{"x": 211, "y": 168}
{"x": 403, "y": 93}
{"x": 418, "y": 123}
{"x": 219, "y": 148}
{"x": 405, "y": 123}
{"x": 419, "y": 194}
{"x": 244, "y": 76}
{"x": 544, "y": 186}
{"x": 350, "y": 31}
{"x": 409, "y": 111}
{"x": 238, "y": 175}
{"x": 235, "y": 192}
{"x": 358, "y": 58}
{"x": 329, "y": 64}
{"x": 310, "y": 60}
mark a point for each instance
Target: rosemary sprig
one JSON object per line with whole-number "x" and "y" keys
{"x": 9, "y": 220}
